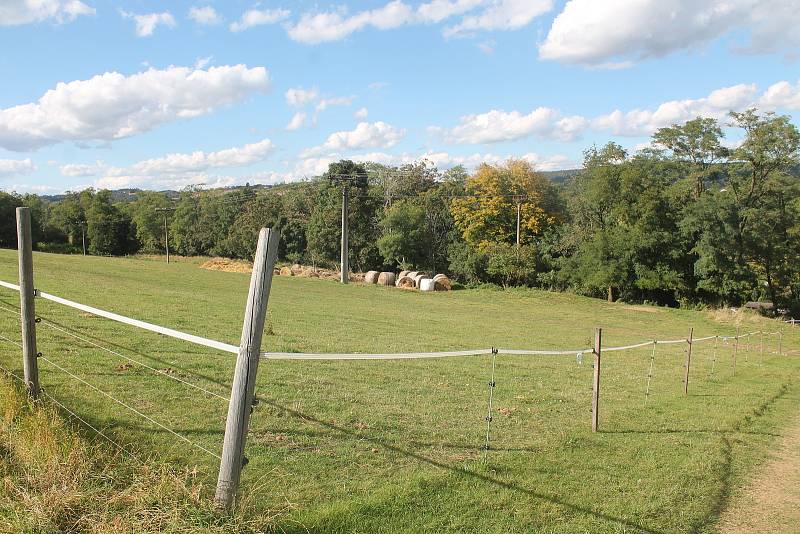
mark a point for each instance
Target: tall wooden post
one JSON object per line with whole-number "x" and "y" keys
{"x": 27, "y": 306}
{"x": 735, "y": 350}
{"x": 780, "y": 343}
{"x": 690, "y": 341}
{"x": 244, "y": 378}
{"x": 596, "y": 380}
{"x": 761, "y": 350}
{"x": 345, "y": 252}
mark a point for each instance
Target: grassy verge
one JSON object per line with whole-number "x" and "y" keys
{"x": 56, "y": 480}
{"x": 396, "y": 446}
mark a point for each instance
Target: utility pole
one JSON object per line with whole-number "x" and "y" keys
{"x": 345, "y": 252}
{"x": 345, "y": 180}
{"x": 166, "y": 228}
{"x": 519, "y": 200}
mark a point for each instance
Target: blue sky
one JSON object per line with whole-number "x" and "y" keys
{"x": 169, "y": 94}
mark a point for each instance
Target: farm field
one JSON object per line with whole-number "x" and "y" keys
{"x": 371, "y": 446}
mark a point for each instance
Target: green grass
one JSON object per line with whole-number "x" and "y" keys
{"x": 371, "y": 446}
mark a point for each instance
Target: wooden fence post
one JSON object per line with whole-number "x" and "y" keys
{"x": 596, "y": 381}
{"x": 780, "y": 343}
{"x": 244, "y": 378}
{"x": 26, "y": 302}
{"x": 735, "y": 350}
{"x": 690, "y": 341}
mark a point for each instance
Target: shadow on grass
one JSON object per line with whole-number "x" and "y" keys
{"x": 461, "y": 471}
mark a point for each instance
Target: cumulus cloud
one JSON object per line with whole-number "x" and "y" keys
{"x": 781, "y": 95}
{"x": 478, "y": 15}
{"x": 298, "y": 120}
{"x": 14, "y": 167}
{"x": 81, "y": 170}
{"x": 299, "y": 97}
{"x": 498, "y": 125}
{"x": 259, "y": 17}
{"x": 113, "y": 106}
{"x": 146, "y": 24}
{"x": 361, "y": 114}
{"x": 314, "y": 166}
{"x": 500, "y": 15}
{"x": 615, "y": 33}
{"x": 365, "y": 135}
{"x": 642, "y": 122}
{"x": 19, "y": 12}
{"x": 181, "y": 169}
{"x": 205, "y": 16}
{"x": 325, "y": 103}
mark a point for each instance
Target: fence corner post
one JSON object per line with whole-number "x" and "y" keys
{"x": 244, "y": 377}
{"x": 27, "y": 306}
{"x": 596, "y": 379}
{"x": 690, "y": 341}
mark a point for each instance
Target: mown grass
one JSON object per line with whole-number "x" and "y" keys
{"x": 395, "y": 446}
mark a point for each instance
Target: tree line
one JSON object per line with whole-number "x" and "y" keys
{"x": 691, "y": 220}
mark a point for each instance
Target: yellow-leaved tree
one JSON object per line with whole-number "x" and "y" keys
{"x": 487, "y": 214}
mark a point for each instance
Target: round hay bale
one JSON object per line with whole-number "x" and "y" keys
{"x": 406, "y": 282}
{"x": 386, "y": 279}
{"x": 419, "y": 278}
{"x": 442, "y": 283}
{"x": 297, "y": 269}
{"x": 371, "y": 277}
{"x": 276, "y": 271}
{"x": 402, "y": 274}
{"x": 286, "y": 271}
{"x": 427, "y": 284}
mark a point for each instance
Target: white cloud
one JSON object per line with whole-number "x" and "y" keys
{"x": 377, "y": 86}
{"x": 643, "y": 122}
{"x": 361, "y": 114}
{"x": 335, "y": 25}
{"x": 314, "y": 166}
{"x": 498, "y": 125}
{"x": 439, "y": 10}
{"x": 205, "y": 16}
{"x": 13, "y": 167}
{"x": 81, "y": 170}
{"x": 617, "y": 32}
{"x": 781, "y": 95}
{"x": 146, "y": 24}
{"x": 299, "y": 97}
{"x": 177, "y": 170}
{"x": 19, "y": 12}
{"x": 298, "y": 120}
{"x": 500, "y": 15}
{"x": 365, "y": 135}
{"x": 257, "y": 17}
{"x": 325, "y": 103}
{"x": 113, "y": 106}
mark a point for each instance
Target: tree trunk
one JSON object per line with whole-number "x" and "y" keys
{"x": 610, "y": 293}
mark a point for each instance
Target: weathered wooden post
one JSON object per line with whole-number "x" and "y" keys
{"x": 690, "y": 341}
{"x": 735, "y": 350}
{"x": 596, "y": 380}
{"x": 244, "y": 377}
{"x": 27, "y": 307}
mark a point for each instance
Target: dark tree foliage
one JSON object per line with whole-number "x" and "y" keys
{"x": 684, "y": 222}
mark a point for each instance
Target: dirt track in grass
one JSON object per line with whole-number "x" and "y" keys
{"x": 770, "y": 502}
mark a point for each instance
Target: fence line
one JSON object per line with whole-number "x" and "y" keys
{"x": 226, "y": 347}
{"x": 131, "y": 408}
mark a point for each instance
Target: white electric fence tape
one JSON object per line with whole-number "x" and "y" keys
{"x": 233, "y": 349}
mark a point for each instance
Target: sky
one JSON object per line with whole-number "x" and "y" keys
{"x": 165, "y": 95}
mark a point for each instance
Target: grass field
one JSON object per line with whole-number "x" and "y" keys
{"x": 395, "y": 446}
